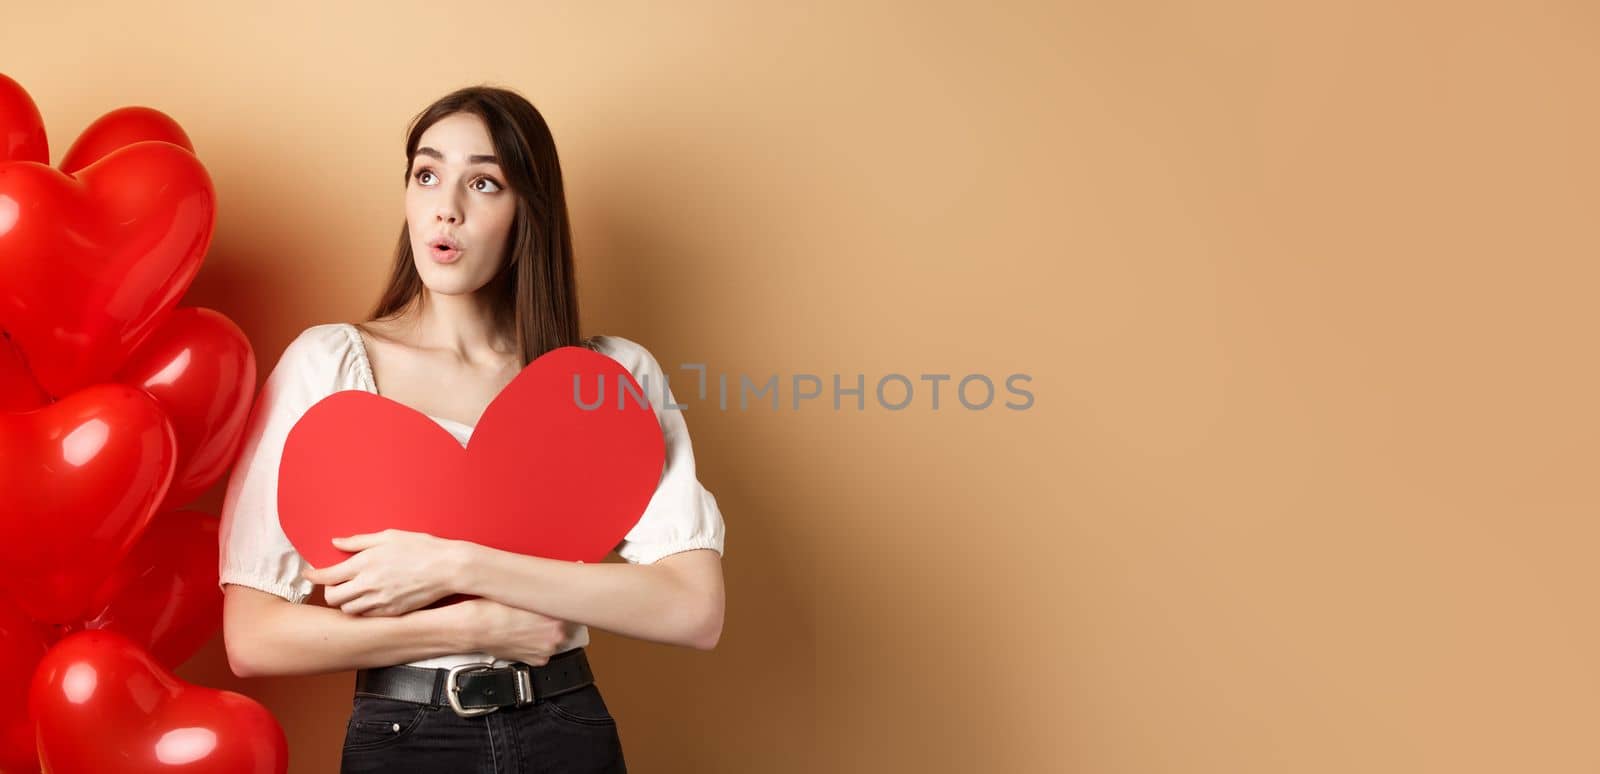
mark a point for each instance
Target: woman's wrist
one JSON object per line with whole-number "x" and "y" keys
{"x": 450, "y": 626}
{"x": 462, "y": 562}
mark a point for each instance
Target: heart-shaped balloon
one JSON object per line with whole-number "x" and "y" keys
{"x": 199, "y": 366}
{"x": 91, "y": 263}
{"x": 123, "y": 126}
{"x": 104, "y": 705}
{"x": 22, "y": 136}
{"x": 163, "y": 594}
{"x": 18, "y": 392}
{"x": 81, "y": 478}
{"x": 21, "y": 647}
{"x": 541, "y": 474}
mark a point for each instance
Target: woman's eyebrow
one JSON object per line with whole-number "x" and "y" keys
{"x": 427, "y": 151}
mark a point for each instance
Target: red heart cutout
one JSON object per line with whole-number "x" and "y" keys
{"x": 80, "y": 480}
{"x": 90, "y": 263}
{"x": 103, "y": 705}
{"x": 541, "y": 475}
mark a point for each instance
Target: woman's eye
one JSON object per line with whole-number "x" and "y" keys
{"x": 494, "y": 186}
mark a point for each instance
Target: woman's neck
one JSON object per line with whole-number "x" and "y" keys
{"x": 460, "y": 324}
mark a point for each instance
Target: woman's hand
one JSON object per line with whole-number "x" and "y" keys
{"x": 392, "y": 573}
{"x": 510, "y": 632}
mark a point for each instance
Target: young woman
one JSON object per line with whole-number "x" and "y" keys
{"x": 482, "y": 284}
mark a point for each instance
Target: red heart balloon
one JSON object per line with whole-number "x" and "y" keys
{"x": 123, "y": 126}
{"x": 199, "y": 366}
{"x": 104, "y": 705}
{"x": 18, "y": 391}
{"x": 21, "y": 647}
{"x": 541, "y": 475}
{"x": 81, "y": 478}
{"x": 163, "y": 594}
{"x": 22, "y": 136}
{"x": 91, "y": 263}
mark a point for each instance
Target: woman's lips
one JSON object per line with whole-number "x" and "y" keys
{"x": 444, "y": 254}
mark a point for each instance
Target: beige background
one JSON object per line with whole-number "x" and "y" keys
{"x": 1306, "y": 294}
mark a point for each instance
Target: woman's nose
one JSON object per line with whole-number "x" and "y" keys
{"x": 448, "y": 209}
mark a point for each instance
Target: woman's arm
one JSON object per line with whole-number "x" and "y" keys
{"x": 678, "y": 600}
{"x": 265, "y": 634}
{"x": 268, "y": 635}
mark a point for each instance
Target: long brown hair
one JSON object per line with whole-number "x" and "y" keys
{"x": 534, "y": 296}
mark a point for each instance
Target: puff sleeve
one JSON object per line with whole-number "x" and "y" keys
{"x": 252, "y": 548}
{"x": 682, "y": 515}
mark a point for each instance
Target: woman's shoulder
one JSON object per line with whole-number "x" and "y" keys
{"x": 325, "y": 352}
{"x": 317, "y": 342}
{"x": 631, "y": 354}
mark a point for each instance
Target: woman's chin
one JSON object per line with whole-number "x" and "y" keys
{"x": 448, "y": 287}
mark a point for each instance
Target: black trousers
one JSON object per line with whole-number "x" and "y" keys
{"x": 571, "y": 733}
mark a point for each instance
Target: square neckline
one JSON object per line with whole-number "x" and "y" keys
{"x": 372, "y": 379}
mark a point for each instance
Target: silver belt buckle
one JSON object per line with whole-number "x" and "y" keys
{"x": 452, "y": 691}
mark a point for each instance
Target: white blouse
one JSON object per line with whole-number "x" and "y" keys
{"x": 682, "y": 515}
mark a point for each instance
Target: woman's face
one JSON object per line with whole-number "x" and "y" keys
{"x": 457, "y": 194}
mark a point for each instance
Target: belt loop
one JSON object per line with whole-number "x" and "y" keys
{"x": 440, "y": 677}
{"x": 525, "y": 693}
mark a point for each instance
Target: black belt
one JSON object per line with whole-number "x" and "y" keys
{"x": 478, "y": 689}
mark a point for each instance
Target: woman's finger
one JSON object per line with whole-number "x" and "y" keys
{"x": 359, "y": 604}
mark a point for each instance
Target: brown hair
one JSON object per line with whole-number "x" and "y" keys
{"x": 534, "y": 296}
